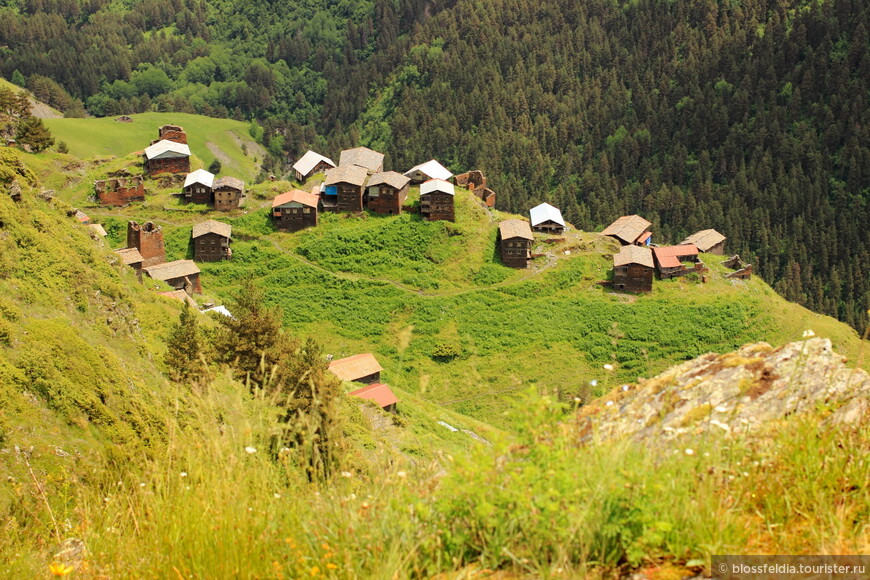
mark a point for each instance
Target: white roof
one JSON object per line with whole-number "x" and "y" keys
{"x": 434, "y": 185}
{"x": 432, "y": 169}
{"x": 308, "y": 161}
{"x": 199, "y": 176}
{"x": 167, "y": 149}
{"x": 546, "y": 213}
{"x": 220, "y": 310}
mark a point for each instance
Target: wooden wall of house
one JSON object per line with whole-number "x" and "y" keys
{"x": 549, "y": 227}
{"x": 633, "y": 278}
{"x": 516, "y": 252}
{"x": 388, "y": 201}
{"x": 227, "y": 198}
{"x": 350, "y": 197}
{"x": 718, "y": 249}
{"x": 437, "y": 206}
{"x": 211, "y": 247}
{"x": 319, "y": 168}
{"x": 198, "y": 193}
{"x": 294, "y": 219}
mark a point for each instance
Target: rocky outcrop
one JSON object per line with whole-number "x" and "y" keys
{"x": 733, "y": 393}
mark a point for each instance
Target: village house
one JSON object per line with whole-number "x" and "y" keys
{"x": 386, "y": 192}
{"x": 167, "y": 157}
{"x": 436, "y": 200}
{"x": 131, "y": 257}
{"x": 120, "y": 191}
{"x": 198, "y": 186}
{"x": 174, "y": 133}
{"x": 228, "y": 193}
{"x": 669, "y": 259}
{"x": 98, "y": 230}
{"x": 148, "y": 240}
{"x": 633, "y": 269}
{"x": 429, "y": 170}
{"x": 372, "y": 161}
{"x": 309, "y": 164}
{"x": 629, "y": 229}
{"x": 211, "y": 241}
{"x": 515, "y": 242}
{"x": 343, "y": 188}
{"x": 294, "y": 210}
{"x": 546, "y": 218}
{"x": 180, "y": 275}
{"x": 81, "y": 216}
{"x": 380, "y": 394}
{"x": 359, "y": 368}
{"x": 707, "y": 241}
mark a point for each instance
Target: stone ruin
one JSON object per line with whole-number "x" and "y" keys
{"x": 148, "y": 239}
{"x": 120, "y": 191}
{"x": 476, "y": 181}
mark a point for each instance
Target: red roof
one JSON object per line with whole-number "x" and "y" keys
{"x": 378, "y": 392}
{"x": 296, "y": 195}
{"x": 668, "y": 256}
{"x": 644, "y": 236}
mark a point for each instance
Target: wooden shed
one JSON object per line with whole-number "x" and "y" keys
{"x": 629, "y": 229}
{"x": 294, "y": 210}
{"x": 633, "y": 269}
{"x": 372, "y": 161}
{"x": 380, "y": 394}
{"x": 437, "y": 200}
{"x": 211, "y": 241}
{"x": 669, "y": 259}
{"x": 429, "y": 170}
{"x": 344, "y": 185}
{"x": 309, "y": 164}
{"x": 515, "y": 242}
{"x": 546, "y": 218}
{"x": 131, "y": 257}
{"x": 386, "y": 192}
{"x": 199, "y": 186}
{"x": 708, "y": 241}
{"x": 359, "y": 368}
{"x": 167, "y": 157}
{"x": 228, "y": 193}
{"x": 180, "y": 274}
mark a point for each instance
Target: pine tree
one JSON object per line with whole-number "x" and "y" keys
{"x": 183, "y": 347}
{"x": 34, "y": 133}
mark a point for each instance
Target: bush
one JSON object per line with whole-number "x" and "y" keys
{"x": 446, "y": 351}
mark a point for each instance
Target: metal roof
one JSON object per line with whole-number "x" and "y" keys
{"x": 438, "y": 185}
{"x": 212, "y": 227}
{"x": 634, "y": 255}
{"x": 201, "y": 176}
{"x": 363, "y": 157}
{"x": 296, "y": 195}
{"x": 705, "y": 239}
{"x": 231, "y": 182}
{"x": 546, "y": 213}
{"x": 353, "y": 174}
{"x": 355, "y": 367}
{"x": 515, "y": 228}
{"x": 669, "y": 256}
{"x": 309, "y": 161}
{"x": 378, "y": 392}
{"x": 432, "y": 169}
{"x": 130, "y": 256}
{"x": 172, "y": 270}
{"x": 392, "y": 178}
{"x": 167, "y": 149}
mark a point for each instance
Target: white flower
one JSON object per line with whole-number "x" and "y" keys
{"x": 690, "y": 451}
{"x": 142, "y": 484}
{"x": 578, "y": 400}
{"x": 277, "y": 496}
{"x": 624, "y": 387}
{"x": 609, "y": 403}
{"x": 401, "y": 475}
{"x": 594, "y": 382}
{"x": 183, "y": 474}
{"x": 250, "y": 450}
{"x": 809, "y": 334}
{"x": 608, "y": 367}
{"x": 346, "y": 474}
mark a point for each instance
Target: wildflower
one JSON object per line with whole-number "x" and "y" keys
{"x": 365, "y": 505}
{"x": 183, "y": 474}
{"x": 578, "y": 400}
{"x": 346, "y": 474}
{"x": 250, "y": 450}
{"x": 142, "y": 484}
{"x": 401, "y": 475}
{"x": 624, "y": 387}
{"x": 277, "y": 496}
{"x": 59, "y": 569}
{"x": 809, "y": 334}
{"x": 594, "y": 382}
{"x": 107, "y": 499}
{"x": 315, "y": 571}
{"x": 609, "y": 404}
{"x": 331, "y": 566}
{"x": 690, "y": 451}
{"x": 608, "y": 367}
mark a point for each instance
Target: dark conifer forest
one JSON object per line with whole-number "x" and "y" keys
{"x": 747, "y": 116}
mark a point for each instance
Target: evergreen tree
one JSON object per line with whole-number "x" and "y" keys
{"x": 183, "y": 349}
{"x": 33, "y": 132}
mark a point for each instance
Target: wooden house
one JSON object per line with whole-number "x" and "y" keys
{"x": 295, "y": 210}
{"x": 180, "y": 274}
{"x": 211, "y": 241}
{"x": 386, "y": 192}
{"x": 372, "y": 161}
{"x": 546, "y": 218}
{"x": 131, "y": 257}
{"x": 228, "y": 193}
{"x": 359, "y": 368}
{"x": 629, "y": 229}
{"x": 633, "y": 269}
{"x": 669, "y": 259}
{"x": 436, "y": 200}
{"x": 167, "y": 157}
{"x": 309, "y": 164}
{"x": 148, "y": 240}
{"x": 515, "y": 243}
{"x": 708, "y": 241}
{"x": 343, "y": 188}
{"x": 380, "y": 394}
{"x": 199, "y": 186}
{"x": 429, "y": 170}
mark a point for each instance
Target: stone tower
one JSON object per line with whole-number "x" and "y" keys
{"x": 148, "y": 239}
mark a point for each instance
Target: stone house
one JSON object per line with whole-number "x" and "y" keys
{"x": 436, "y": 200}
{"x": 546, "y": 218}
{"x": 120, "y": 191}
{"x": 167, "y": 157}
{"x": 198, "y": 186}
{"x": 228, "y": 193}
{"x": 386, "y": 192}
{"x": 515, "y": 243}
{"x": 211, "y": 241}
{"x": 309, "y": 164}
{"x": 633, "y": 269}
{"x": 343, "y": 188}
{"x": 295, "y": 210}
{"x": 174, "y": 133}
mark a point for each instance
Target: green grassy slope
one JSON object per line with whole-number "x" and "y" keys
{"x": 208, "y": 139}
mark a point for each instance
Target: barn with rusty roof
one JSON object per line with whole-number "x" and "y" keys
{"x": 294, "y": 210}
{"x": 380, "y": 394}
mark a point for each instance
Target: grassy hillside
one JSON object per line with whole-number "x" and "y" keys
{"x": 209, "y": 139}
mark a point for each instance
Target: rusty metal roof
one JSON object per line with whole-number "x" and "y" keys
{"x": 668, "y": 256}
{"x": 212, "y": 227}
{"x": 627, "y": 228}
{"x": 705, "y": 239}
{"x": 355, "y": 367}
{"x": 353, "y": 174}
{"x": 378, "y": 392}
{"x": 362, "y": 157}
{"x": 392, "y": 178}
{"x": 515, "y": 228}
{"x": 297, "y": 195}
{"x": 634, "y": 255}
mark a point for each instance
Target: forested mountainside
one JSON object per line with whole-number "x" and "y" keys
{"x": 750, "y": 117}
